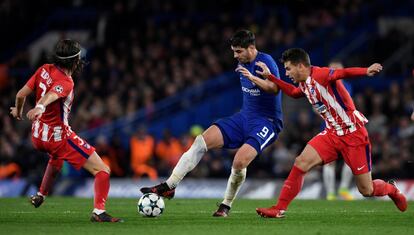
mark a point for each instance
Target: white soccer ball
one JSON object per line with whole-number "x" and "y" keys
{"x": 151, "y": 205}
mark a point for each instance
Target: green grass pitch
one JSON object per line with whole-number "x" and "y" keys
{"x": 193, "y": 216}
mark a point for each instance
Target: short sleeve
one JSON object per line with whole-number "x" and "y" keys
{"x": 62, "y": 88}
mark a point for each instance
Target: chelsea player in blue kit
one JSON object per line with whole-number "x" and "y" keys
{"x": 251, "y": 130}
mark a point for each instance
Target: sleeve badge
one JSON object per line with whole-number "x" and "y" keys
{"x": 58, "y": 89}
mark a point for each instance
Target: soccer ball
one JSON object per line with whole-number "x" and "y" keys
{"x": 151, "y": 205}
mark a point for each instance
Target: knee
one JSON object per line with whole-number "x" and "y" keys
{"x": 302, "y": 163}
{"x": 240, "y": 164}
{"x": 107, "y": 169}
{"x": 366, "y": 191}
{"x": 102, "y": 167}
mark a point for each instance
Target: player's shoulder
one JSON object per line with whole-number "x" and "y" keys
{"x": 57, "y": 74}
{"x": 321, "y": 74}
{"x": 43, "y": 72}
{"x": 319, "y": 71}
{"x": 264, "y": 56}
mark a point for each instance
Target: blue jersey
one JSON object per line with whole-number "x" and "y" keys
{"x": 256, "y": 101}
{"x": 260, "y": 119}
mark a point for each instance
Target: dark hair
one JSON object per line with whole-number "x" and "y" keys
{"x": 243, "y": 38}
{"x": 296, "y": 56}
{"x": 67, "y": 55}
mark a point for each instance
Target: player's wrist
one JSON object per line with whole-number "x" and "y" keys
{"x": 41, "y": 107}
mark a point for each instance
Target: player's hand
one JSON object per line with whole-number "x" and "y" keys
{"x": 374, "y": 69}
{"x": 265, "y": 70}
{"x": 244, "y": 72}
{"x": 16, "y": 114}
{"x": 34, "y": 114}
{"x": 412, "y": 116}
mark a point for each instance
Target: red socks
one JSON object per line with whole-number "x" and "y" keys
{"x": 48, "y": 179}
{"x": 101, "y": 189}
{"x": 382, "y": 188}
{"x": 291, "y": 188}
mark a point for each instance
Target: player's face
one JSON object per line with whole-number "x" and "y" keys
{"x": 292, "y": 71}
{"x": 297, "y": 73}
{"x": 243, "y": 55}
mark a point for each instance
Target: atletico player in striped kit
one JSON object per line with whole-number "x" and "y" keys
{"x": 345, "y": 133}
{"x": 51, "y": 133}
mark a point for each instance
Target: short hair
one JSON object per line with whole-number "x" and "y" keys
{"x": 66, "y": 54}
{"x": 243, "y": 38}
{"x": 296, "y": 56}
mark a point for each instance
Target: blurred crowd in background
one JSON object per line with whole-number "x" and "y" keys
{"x": 141, "y": 52}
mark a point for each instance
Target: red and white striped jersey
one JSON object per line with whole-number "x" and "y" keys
{"x": 331, "y": 101}
{"x": 53, "y": 125}
{"x": 329, "y": 97}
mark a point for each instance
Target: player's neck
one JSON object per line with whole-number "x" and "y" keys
{"x": 254, "y": 55}
{"x": 306, "y": 73}
{"x": 67, "y": 72}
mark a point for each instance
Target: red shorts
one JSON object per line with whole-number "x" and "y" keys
{"x": 73, "y": 149}
{"x": 355, "y": 148}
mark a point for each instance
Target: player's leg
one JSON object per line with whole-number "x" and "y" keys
{"x": 53, "y": 168}
{"x": 80, "y": 154}
{"x": 346, "y": 177}
{"x": 358, "y": 159}
{"x": 320, "y": 149}
{"x": 261, "y": 133}
{"x": 308, "y": 159}
{"x": 97, "y": 167}
{"x": 379, "y": 188}
{"x": 328, "y": 172}
{"x": 210, "y": 139}
{"x": 242, "y": 159}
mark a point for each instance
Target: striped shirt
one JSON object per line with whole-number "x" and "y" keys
{"x": 329, "y": 98}
{"x": 53, "y": 124}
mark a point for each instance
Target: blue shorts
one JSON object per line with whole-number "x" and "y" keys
{"x": 259, "y": 132}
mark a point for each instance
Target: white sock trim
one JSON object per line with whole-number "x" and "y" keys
{"x": 98, "y": 211}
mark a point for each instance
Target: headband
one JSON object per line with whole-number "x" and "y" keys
{"x": 68, "y": 57}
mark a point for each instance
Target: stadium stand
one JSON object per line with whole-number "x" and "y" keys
{"x": 154, "y": 64}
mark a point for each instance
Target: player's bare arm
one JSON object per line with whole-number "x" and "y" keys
{"x": 374, "y": 69}
{"x": 36, "y": 112}
{"x": 264, "y": 84}
{"x": 287, "y": 88}
{"x": 17, "y": 110}
{"x": 265, "y": 70}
